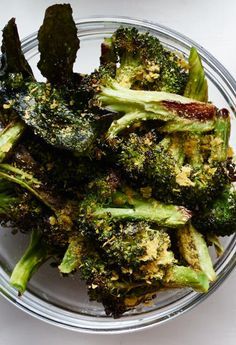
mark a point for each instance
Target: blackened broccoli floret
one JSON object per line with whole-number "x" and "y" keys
{"x": 220, "y": 218}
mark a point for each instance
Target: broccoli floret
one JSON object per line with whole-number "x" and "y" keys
{"x": 39, "y": 207}
{"x": 141, "y": 62}
{"x": 183, "y": 114}
{"x": 219, "y": 218}
{"x": 108, "y": 198}
{"x": 126, "y": 263}
{"x": 185, "y": 168}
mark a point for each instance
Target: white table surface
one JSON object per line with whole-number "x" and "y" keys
{"x": 211, "y": 23}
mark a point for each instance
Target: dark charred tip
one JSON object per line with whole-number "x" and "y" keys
{"x": 231, "y": 167}
{"x": 224, "y": 113}
{"x": 107, "y": 53}
{"x": 193, "y": 111}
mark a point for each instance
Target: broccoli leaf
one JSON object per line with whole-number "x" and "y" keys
{"x": 13, "y": 60}
{"x": 58, "y": 44}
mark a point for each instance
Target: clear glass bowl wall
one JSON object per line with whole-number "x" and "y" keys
{"x": 64, "y": 301}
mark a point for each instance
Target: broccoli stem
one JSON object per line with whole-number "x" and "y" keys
{"x": 194, "y": 250}
{"x": 155, "y": 105}
{"x": 181, "y": 276}
{"x": 9, "y": 136}
{"x": 72, "y": 257}
{"x": 151, "y": 210}
{"x": 214, "y": 240}
{"x": 126, "y": 121}
{"x": 196, "y": 158}
{"x": 185, "y": 125}
{"x": 196, "y": 87}
{"x": 219, "y": 151}
{"x": 27, "y": 181}
{"x": 175, "y": 147}
{"x": 35, "y": 255}
{"x": 8, "y": 198}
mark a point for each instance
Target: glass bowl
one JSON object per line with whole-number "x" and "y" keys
{"x": 64, "y": 301}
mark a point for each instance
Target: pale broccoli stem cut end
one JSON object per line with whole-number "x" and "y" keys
{"x": 73, "y": 257}
{"x": 181, "y": 276}
{"x": 35, "y": 255}
{"x": 197, "y": 87}
{"x": 195, "y": 252}
{"x": 9, "y": 137}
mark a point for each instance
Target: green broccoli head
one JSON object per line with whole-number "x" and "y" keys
{"x": 133, "y": 244}
{"x": 126, "y": 266}
{"x": 143, "y": 63}
{"x": 109, "y": 198}
{"x": 187, "y": 168}
{"x": 219, "y": 218}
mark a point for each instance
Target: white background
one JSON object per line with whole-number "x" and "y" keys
{"x": 212, "y": 23}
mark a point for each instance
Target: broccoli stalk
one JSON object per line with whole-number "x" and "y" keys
{"x": 105, "y": 200}
{"x": 214, "y": 240}
{"x": 196, "y": 87}
{"x": 30, "y": 183}
{"x": 181, "y": 276}
{"x": 8, "y": 198}
{"x": 220, "y": 143}
{"x": 73, "y": 256}
{"x": 193, "y": 249}
{"x": 149, "y": 210}
{"x": 35, "y": 255}
{"x": 153, "y": 105}
{"x": 9, "y": 136}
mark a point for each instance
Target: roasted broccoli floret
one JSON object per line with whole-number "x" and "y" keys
{"x": 187, "y": 168}
{"x": 178, "y": 113}
{"x": 219, "y": 218}
{"x": 141, "y": 62}
{"x": 126, "y": 263}
{"x": 107, "y": 198}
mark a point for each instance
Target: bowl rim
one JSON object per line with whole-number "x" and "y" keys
{"x": 190, "y": 302}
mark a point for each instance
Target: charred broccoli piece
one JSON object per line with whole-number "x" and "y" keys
{"x": 178, "y": 112}
{"x": 187, "y": 168}
{"x": 108, "y": 198}
{"x": 126, "y": 263}
{"x": 219, "y": 218}
{"x": 44, "y": 109}
{"x": 140, "y": 61}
